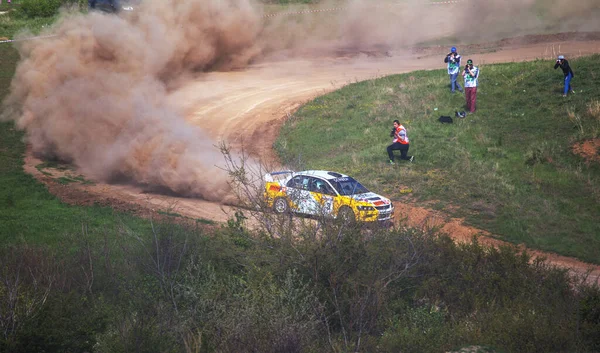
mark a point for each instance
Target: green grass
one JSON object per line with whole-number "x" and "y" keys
{"x": 29, "y": 213}
{"x": 10, "y": 25}
{"x": 51, "y": 164}
{"x": 507, "y": 169}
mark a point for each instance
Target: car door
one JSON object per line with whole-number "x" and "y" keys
{"x": 324, "y": 195}
{"x": 302, "y": 201}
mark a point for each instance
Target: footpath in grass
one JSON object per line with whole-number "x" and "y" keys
{"x": 509, "y": 168}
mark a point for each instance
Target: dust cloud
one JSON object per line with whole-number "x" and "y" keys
{"x": 96, "y": 94}
{"x": 363, "y": 25}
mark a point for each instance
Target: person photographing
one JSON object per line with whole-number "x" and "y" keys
{"x": 471, "y": 74}
{"x": 567, "y": 71}
{"x": 399, "y": 142}
{"x": 453, "y": 61}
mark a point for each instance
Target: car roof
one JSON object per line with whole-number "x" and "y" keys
{"x": 324, "y": 174}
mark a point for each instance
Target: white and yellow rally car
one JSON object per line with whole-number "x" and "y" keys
{"x": 324, "y": 193}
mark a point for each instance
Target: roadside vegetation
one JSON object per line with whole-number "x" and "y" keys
{"x": 90, "y": 279}
{"x": 509, "y": 168}
{"x": 341, "y": 291}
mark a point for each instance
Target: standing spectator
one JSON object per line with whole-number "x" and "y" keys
{"x": 564, "y": 65}
{"x": 399, "y": 142}
{"x": 453, "y": 61}
{"x": 471, "y": 73}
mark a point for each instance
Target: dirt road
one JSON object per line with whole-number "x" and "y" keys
{"x": 249, "y": 106}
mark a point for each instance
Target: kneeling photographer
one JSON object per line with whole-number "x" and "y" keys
{"x": 399, "y": 142}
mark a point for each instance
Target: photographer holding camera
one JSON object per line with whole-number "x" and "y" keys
{"x": 564, "y": 65}
{"x": 471, "y": 74}
{"x": 399, "y": 142}
{"x": 453, "y": 61}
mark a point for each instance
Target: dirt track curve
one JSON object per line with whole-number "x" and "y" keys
{"x": 256, "y": 101}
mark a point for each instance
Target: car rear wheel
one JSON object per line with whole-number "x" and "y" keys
{"x": 346, "y": 215}
{"x": 280, "y": 205}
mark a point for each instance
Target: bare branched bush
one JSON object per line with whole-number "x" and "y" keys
{"x": 247, "y": 182}
{"x": 27, "y": 278}
{"x": 257, "y": 314}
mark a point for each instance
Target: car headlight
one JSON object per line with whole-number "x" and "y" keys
{"x": 365, "y": 208}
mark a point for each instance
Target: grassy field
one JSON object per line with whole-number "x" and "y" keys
{"x": 508, "y": 169}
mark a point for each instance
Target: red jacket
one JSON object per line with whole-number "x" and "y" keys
{"x": 400, "y": 135}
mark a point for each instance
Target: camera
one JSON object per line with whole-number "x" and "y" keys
{"x": 393, "y": 132}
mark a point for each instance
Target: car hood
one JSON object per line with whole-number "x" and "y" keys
{"x": 373, "y": 198}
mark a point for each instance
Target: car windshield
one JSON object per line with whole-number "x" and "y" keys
{"x": 348, "y": 186}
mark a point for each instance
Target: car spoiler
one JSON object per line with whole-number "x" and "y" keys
{"x": 273, "y": 176}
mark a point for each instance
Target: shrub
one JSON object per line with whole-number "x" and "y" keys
{"x": 67, "y": 323}
{"x": 39, "y": 8}
{"x": 41, "y": 306}
{"x": 421, "y": 329}
{"x": 589, "y": 317}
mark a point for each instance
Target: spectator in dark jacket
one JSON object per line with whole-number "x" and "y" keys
{"x": 566, "y": 68}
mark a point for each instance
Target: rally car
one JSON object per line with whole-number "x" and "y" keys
{"x": 325, "y": 193}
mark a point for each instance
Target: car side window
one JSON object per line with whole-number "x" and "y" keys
{"x": 295, "y": 182}
{"x": 305, "y": 182}
{"x": 300, "y": 182}
{"x": 320, "y": 186}
{"x": 314, "y": 185}
{"x": 327, "y": 189}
